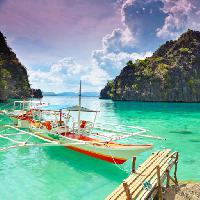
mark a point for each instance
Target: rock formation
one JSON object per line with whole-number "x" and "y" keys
{"x": 171, "y": 74}
{"x": 13, "y": 75}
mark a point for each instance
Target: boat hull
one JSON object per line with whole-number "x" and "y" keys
{"x": 110, "y": 152}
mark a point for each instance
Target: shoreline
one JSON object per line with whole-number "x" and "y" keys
{"x": 183, "y": 191}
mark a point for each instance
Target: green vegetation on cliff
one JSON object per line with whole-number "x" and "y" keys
{"x": 171, "y": 74}
{"x": 13, "y": 75}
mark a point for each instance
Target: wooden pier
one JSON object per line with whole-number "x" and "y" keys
{"x": 148, "y": 180}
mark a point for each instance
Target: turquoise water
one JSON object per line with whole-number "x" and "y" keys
{"x": 57, "y": 173}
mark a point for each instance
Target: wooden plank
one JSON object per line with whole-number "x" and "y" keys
{"x": 143, "y": 168}
{"x": 164, "y": 168}
{"x": 154, "y": 179}
{"x": 149, "y": 173}
{"x": 119, "y": 192}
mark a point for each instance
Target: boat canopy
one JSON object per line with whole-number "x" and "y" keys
{"x": 82, "y": 109}
{"x": 64, "y": 107}
{"x": 53, "y": 108}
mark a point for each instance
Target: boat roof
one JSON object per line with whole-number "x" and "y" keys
{"x": 63, "y": 107}
{"x": 52, "y": 108}
{"x": 82, "y": 109}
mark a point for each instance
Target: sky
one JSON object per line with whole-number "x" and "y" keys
{"x": 63, "y": 41}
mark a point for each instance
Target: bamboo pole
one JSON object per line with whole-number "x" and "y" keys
{"x": 168, "y": 178}
{"x": 128, "y": 194}
{"x": 79, "y": 109}
{"x": 159, "y": 183}
{"x": 133, "y": 164}
{"x": 175, "y": 170}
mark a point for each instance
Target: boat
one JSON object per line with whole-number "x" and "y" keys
{"x": 80, "y": 136}
{"x": 20, "y": 109}
{"x": 52, "y": 125}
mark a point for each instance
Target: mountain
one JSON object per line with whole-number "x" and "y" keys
{"x": 171, "y": 74}
{"x": 49, "y": 94}
{"x": 90, "y": 94}
{"x": 13, "y": 75}
{"x": 67, "y": 94}
{"x": 84, "y": 94}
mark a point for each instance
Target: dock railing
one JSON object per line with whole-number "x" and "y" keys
{"x": 148, "y": 180}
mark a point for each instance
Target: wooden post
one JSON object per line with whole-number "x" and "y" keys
{"x": 60, "y": 111}
{"x": 128, "y": 194}
{"x": 133, "y": 164}
{"x": 159, "y": 183}
{"x": 168, "y": 178}
{"x": 175, "y": 170}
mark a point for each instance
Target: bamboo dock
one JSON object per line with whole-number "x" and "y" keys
{"x": 148, "y": 180}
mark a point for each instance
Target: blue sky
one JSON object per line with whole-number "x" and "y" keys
{"x": 63, "y": 41}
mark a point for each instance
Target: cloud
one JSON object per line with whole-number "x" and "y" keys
{"x": 123, "y": 44}
{"x": 41, "y": 32}
{"x": 181, "y": 15}
{"x": 67, "y": 66}
{"x": 119, "y": 40}
{"x": 96, "y": 76}
{"x": 65, "y": 74}
{"x": 142, "y": 18}
{"x": 113, "y": 62}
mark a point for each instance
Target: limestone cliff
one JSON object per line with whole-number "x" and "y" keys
{"x": 13, "y": 75}
{"x": 171, "y": 74}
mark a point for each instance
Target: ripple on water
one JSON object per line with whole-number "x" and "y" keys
{"x": 183, "y": 132}
{"x": 195, "y": 140}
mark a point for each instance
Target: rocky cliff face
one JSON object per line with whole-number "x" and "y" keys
{"x": 172, "y": 74}
{"x": 13, "y": 75}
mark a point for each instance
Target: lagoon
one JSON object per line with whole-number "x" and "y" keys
{"x": 57, "y": 173}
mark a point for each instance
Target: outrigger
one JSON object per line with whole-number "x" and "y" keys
{"x": 80, "y": 136}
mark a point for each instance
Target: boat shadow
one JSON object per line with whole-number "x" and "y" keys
{"x": 85, "y": 164}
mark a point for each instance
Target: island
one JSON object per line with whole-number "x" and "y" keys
{"x": 171, "y": 74}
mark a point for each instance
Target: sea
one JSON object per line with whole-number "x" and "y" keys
{"x": 55, "y": 173}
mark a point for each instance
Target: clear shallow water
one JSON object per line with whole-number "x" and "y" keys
{"x": 57, "y": 173}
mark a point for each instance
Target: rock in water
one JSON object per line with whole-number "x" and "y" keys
{"x": 13, "y": 75}
{"x": 36, "y": 93}
{"x": 171, "y": 74}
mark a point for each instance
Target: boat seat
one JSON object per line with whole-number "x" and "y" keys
{"x": 85, "y": 127}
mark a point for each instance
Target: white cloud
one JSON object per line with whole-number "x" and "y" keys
{"x": 96, "y": 76}
{"x": 181, "y": 15}
{"x": 114, "y": 62}
{"x": 118, "y": 40}
{"x": 67, "y": 66}
{"x": 65, "y": 74}
{"x": 119, "y": 46}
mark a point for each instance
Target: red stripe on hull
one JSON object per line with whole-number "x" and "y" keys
{"x": 92, "y": 154}
{"x": 98, "y": 156}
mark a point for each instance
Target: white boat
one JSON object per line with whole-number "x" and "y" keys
{"x": 52, "y": 125}
{"x": 22, "y": 108}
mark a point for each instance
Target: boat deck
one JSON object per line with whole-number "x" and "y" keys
{"x": 108, "y": 144}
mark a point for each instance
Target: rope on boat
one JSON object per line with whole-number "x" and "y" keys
{"x": 126, "y": 171}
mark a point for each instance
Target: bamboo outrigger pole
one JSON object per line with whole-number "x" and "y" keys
{"x": 79, "y": 109}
